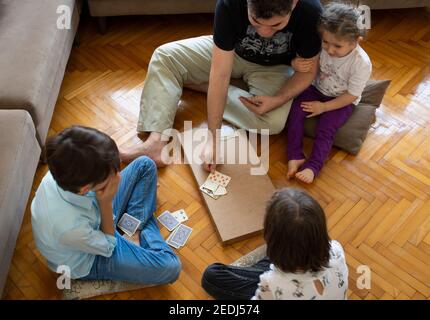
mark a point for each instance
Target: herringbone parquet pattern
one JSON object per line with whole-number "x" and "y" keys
{"x": 377, "y": 203}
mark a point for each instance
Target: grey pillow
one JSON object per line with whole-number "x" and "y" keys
{"x": 351, "y": 135}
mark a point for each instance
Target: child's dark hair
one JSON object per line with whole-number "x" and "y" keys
{"x": 296, "y": 232}
{"x": 79, "y": 156}
{"x": 266, "y": 9}
{"x": 341, "y": 20}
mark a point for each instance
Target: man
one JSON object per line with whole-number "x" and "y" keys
{"x": 253, "y": 39}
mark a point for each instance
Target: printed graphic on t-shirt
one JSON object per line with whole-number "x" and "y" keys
{"x": 252, "y": 45}
{"x": 329, "y": 79}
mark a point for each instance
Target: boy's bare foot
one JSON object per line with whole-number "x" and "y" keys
{"x": 151, "y": 148}
{"x": 293, "y": 167}
{"x": 306, "y": 175}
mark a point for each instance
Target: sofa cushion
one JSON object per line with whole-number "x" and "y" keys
{"x": 139, "y": 7}
{"x": 374, "y": 92}
{"x": 33, "y": 56}
{"x": 351, "y": 135}
{"x": 20, "y": 155}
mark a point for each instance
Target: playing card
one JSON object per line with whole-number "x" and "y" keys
{"x": 181, "y": 235}
{"x": 128, "y": 224}
{"x": 220, "y": 191}
{"x": 167, "y": 220}
{"x": 180, "y": 215}
{"x": 228, "y": 132}
{"x": 210, "y": 185}
{"x": 170, "y": 242}
{"x": 209, "y": 192}
{"x": 219, "y": 178}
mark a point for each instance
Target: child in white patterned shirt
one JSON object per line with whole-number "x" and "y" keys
{"x": 302, "y": 263}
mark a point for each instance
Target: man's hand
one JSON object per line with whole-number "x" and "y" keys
{"x": 106, "y": 195}
{"x": 314, "y": 108}
{"x": 261, "y": 104}
{"x": 300, "y": 64}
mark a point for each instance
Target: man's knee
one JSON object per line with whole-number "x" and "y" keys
{"x": 163, "y": 50}
{"x": 277, "y": 119}
{"x": 276, "y": 125}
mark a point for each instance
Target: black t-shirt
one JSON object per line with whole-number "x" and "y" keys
{"x": 233, "y": 31}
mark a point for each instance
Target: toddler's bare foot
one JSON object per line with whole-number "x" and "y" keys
{"x": 306, "y": 175}
{"x": 293, "y": 166}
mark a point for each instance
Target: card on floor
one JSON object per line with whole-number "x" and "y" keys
{"x": 181, "y": 235}
{"x": 128, "y": 224}
{"x": 170, "y": 242}
{"x": 167, "y": 220}
{"x": 180, "y": 215}
{"x": 219, "y": 178}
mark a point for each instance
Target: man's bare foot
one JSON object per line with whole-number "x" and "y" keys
{"x": 293, "y": 167}
{"x": 306, "y": 175}
{"x": 151, "y": 148}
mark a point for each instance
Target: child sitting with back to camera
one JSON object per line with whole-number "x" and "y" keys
{"x": 344, "y": 69}
{"x": 302, "y": 263}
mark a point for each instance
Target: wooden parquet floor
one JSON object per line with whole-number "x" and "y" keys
{"x": 377, "y": 203}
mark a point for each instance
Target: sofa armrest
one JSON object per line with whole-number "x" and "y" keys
{"x": 20, "y": 155}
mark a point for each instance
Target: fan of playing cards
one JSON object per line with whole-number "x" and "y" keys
{"x": 215, "y": 185}
{"x": 173, "y": 222}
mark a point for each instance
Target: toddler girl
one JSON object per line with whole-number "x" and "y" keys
{"x": 344, "y": 69}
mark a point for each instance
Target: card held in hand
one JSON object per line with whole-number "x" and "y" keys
{"x": 167, "y": 220}
{"x": 128, "y": 224}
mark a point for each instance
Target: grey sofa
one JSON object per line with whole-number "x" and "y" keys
{"x": 105, "y": 8}
{"x": 33, "y": 58}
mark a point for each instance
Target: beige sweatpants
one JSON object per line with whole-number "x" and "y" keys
{"x": 189, "y": 61}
